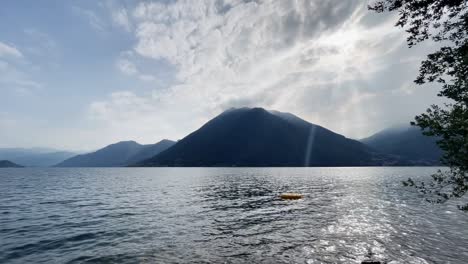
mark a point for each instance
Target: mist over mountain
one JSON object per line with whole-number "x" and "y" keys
{"x": 407, "y": 142}
{"x": 34, "y": 157}
{"x": 257, "y": 137}
{"x": 9, "y": 164}
{"x": 117, "y": 155}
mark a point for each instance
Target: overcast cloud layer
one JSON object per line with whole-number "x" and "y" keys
{"x": 154, "y": 70}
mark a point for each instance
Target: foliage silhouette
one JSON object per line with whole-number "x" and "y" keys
{"x": 444, "y": 22}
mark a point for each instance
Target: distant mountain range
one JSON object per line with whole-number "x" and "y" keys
{"x": 9, "y": 164}
{"x": 408, "y": 143}
{"x": 117, "y": 155}
{"x": 251, "y": 137}
{"x": 34, "y": 157}
{"x": 257, "y": 137}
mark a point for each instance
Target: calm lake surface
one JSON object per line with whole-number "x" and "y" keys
{"x": 224, "y": 215}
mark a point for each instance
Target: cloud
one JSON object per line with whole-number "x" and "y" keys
{"x": 120, "y": 18}
{"x": 125, "y": 65}
{"x": 92, "y": 18}
{"x": 12, "y": 76}
{"x": 109, "y": 13}
{"x": 121, "y": 115}
{"x": 331, "y": 62}
{"x": 237, "y": 44}
{"x": 9, "y": 51}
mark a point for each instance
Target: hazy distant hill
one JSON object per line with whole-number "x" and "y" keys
{"x": 257, "y": 137}
{"x": 116, "y": 155}
{"x": 9, "y": 164}
{"x": 407, "y": 142}
{"x": 34, "y": 157}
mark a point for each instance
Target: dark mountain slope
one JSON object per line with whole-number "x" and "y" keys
{"x": 9, "y": 164}
{"x": 256, "y": 137}
{"x": 407, "y": 142}
{"x": 117, "y": 155}
{"x": 114, "y": 155}
{"x": 149, "y": 151}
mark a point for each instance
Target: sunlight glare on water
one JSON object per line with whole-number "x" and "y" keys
{"x": 227, "y": 215}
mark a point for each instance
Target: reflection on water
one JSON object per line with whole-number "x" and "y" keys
{"x": 230, "y": 215}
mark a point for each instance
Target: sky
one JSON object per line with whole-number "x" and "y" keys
{"x": 79, "y": 75}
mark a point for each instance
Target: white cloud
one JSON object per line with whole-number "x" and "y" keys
{"x": 120, "y": 18}
{"x": 9, "y": 51}
{"x": 323, "y": 60}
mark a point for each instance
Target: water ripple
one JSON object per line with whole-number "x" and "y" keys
{"x": 224, "y": 215}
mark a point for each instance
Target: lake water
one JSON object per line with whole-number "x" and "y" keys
{"x": 224, "y": 215}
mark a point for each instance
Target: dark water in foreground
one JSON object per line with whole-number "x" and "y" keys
{"x": 223, "y": 215}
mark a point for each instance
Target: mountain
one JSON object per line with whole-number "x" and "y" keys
{"x": 34, "y": 157}
{"x": 149, "y": 151}
{"x": 9, "y": 164}
{"x": 257, "y": 137}
{"x": 408, "y": 143}
{"x": 117, "y": 155}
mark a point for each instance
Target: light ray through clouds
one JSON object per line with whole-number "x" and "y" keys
{"x": 310, "y": 146}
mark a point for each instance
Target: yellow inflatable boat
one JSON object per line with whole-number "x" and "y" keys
{"x": 291, "y": 196}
